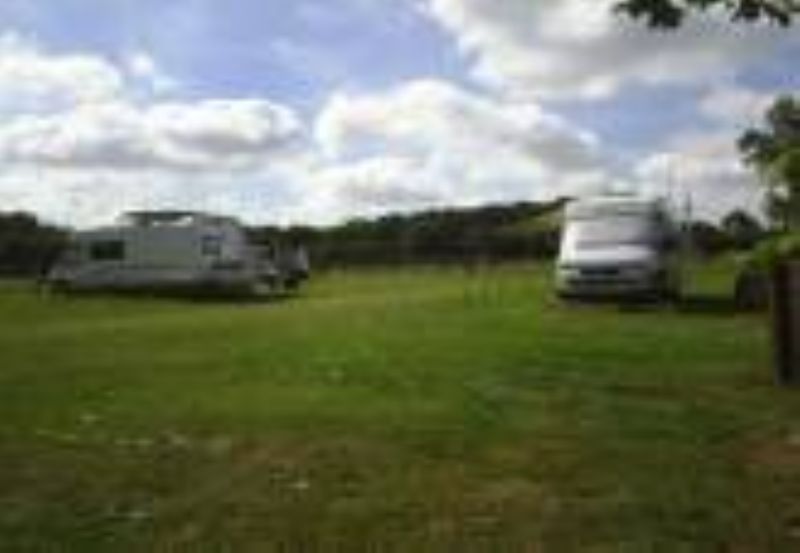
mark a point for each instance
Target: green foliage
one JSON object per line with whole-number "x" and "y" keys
{"x": 775, "y": 151}
{"x": 27, "y": 246}
{"x": 743, "y": 230}
{"x": 778, "y": 248}
{"x": 456, "y": 235}
{"x": 669, "y": 14}
{"x": 707, "y": 238}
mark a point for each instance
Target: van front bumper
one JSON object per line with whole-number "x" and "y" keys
{"x": 609, "y": 282}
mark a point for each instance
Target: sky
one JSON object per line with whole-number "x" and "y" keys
{"x": 316, "y": 111}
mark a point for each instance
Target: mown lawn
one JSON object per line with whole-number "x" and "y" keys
{"x": 425, "y": 410}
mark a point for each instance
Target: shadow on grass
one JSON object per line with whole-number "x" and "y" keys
{"x": 709, "y": 304}
{"x": 692, "y": 304}
{"x": 180, "y": 295}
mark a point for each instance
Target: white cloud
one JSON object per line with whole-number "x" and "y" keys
{"x": 144, "y": 69}
{"x": 140, "y": 63}
{"x": 559, "y": 49}
{"x": 706, "y": 168}
{"x": 34, "y": 80}
{"x": 706, "y": 165}
{"x": 82, "y": 138}
{"x": 430, "y": 117}
{"x": 736, "y": 106}
{"x": 211, "y": 135}
{"x": 366, "y": 187}
{"x": 430, "y": 143}
{"x": 87, "y": 165}
{"x": 91, "y": 197}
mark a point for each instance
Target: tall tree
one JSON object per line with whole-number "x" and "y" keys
{"x": 669, "y": 14}
{"x": 774, "y": 149}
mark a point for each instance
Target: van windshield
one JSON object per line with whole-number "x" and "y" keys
{"x": 611, "y": 231}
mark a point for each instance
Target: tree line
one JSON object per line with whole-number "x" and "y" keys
{"x": 466, "y": 236}
{"x": 482, "y": 235}
{"x": 488, "y": 234}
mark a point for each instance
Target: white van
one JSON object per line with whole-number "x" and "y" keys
{"x": 166, "y": 249}
{"x": 618, "y": 246}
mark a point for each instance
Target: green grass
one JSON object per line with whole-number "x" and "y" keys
{"x": 424, "y": 410}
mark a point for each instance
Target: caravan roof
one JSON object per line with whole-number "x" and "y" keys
{"x": 171, "y": 218}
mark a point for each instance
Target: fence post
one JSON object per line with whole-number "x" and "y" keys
{"x": 785, "y": 312}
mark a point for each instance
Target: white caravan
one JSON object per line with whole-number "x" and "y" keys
{"x": 174, "y": 250}
{"x": 618, "y": 246}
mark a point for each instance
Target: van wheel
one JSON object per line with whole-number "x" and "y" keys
{"x": 565, "y": 298}
{"x": 667, "y": 290}
{"x": 54, "y": 286}
{"x": 671, "y": 295}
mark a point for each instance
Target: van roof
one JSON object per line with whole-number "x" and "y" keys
{"x": 612, "y": 205}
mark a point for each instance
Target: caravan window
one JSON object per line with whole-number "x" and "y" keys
{"x": 107, "y": 250}
{"x": 212, "y": 246}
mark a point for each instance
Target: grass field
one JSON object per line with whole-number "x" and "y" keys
{"x": 424, "y": 410}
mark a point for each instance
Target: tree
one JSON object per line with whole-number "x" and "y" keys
{"x": 669, "y": 14}
{"x": 774, "y": 150}
{"x": 706, "y": 238}
{"x": 742, "y": 229}
{"x": 465, "y": 236}
{"x": 27, "y": 246}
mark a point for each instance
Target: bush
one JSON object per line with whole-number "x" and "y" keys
{"x": 774, "y": 250}
{"x": 752, "y": 282}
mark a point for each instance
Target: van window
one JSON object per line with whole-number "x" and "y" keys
{"x": 611, "y": 231}
{"x": 107, "y": 250}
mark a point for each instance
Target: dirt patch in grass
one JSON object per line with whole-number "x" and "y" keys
{"x": 778, "y": 455}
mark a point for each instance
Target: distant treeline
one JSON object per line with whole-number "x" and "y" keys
{"x": 489, "y": 234}
{"x": 448, "y": 236}
{"x": 27, "y": 246}
{"x": 468, "y": 236}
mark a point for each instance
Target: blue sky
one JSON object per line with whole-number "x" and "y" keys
{"x": 295, "y": 52}
{"x": 318, "y": 110}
